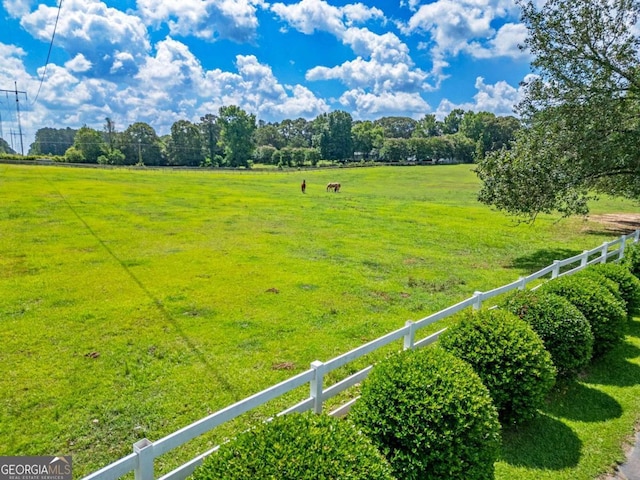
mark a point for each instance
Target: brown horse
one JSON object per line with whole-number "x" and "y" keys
{"x": 333, "y": 186}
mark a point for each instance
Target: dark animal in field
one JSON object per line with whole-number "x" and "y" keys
{"x": 333, "y": 186}
{"x": 303, "y": 186}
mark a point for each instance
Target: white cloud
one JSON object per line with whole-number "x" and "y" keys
{"x": 109, "y": 39}
{"x": 206, "y": 19}
{"x": 309, "y": 16}
{"x": 17, "y": 8}
{"x": 383, "y": 62}
{"x": 78, "y": 64}
{"x": 499, "y": 98}
{"x": 369, "y": 106}
{"x": 453, "y": 27}
{"x": 505, "y": 43}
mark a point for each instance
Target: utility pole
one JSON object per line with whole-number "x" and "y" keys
{"x": 16, "y": 91}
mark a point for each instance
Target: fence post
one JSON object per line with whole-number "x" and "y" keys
{"x": 623, "y": 245}
{"x": 523, "y": 283}
{"x": 316, "y": 386}
{"x": 603, "y": 254}
{"x": 584, "y": 259}
{"x": 636, "y": 236}
{"x": 478, "y": 300}
{"x": 410, "y": 336}
{"x": 556, "y": 269}
{"x": 144, "y": 449}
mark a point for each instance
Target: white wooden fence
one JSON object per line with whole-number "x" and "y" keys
{"x": 141, "y": 461}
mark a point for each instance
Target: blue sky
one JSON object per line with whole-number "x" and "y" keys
{"x": 158, "y": 61}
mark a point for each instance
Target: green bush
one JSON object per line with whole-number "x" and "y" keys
{"x": 603, "y": 311}
{"x": 430, "y": 416}
{"x": 563, "y": 329}
{"x": 631, "y": 258}
{"x": 628, "y": 283}
{"x": 604, "y": 281}
{"x": 295, "y": 446}
{"x": 509, "y": 357}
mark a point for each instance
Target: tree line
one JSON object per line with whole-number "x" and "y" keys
{"x": 233, "y": 138}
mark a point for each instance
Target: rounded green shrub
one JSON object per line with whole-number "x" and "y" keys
{"x": 430, "y": 416}
{"x": 631, "y": 258}
{"x": 603, "y": 280}
{"x": 509, "y": 357}
{"x": 297, "y": 446}
{"x": 563, "y": 329}
{"x": 603, "y": 311}
{"x": 628, "y": 283}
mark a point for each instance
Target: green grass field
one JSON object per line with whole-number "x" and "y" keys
{"x": 134, "y": 302}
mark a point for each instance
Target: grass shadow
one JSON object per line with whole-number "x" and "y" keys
{"x": 576, "y": 401}
{"x": 541, "y": 259}
{"x": 535, "y": 445}
{"x": 614, "y": 367}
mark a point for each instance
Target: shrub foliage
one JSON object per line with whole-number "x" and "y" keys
{"x": 563, "y": 329}
{"x": 509, "y": 357}
{"x": 294, "y": 447}
{"x": 628, "y": 283}
{"x": 605, "y": 314}
{"x": 631, "y": 258}
{"x": 430, "y": 416}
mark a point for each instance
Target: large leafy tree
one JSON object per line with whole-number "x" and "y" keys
{"x": 366, "y": 137}
{"x": 90, "y": 144}
{"x": 582, "y": 112}
{"x": 236, "y": 135}
{"x": 141, "y": 144}
{"x": 52, "y": 141}
{"x": 185, "y": 145}
{"x": 210, "y": 133}
{"x": 333, "y": 136}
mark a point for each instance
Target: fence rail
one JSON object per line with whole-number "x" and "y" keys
{"x": 141, "y": 461}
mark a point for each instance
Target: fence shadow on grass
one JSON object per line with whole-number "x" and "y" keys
{"x": 542, "y": 258}
{"x": 535, "y": 445}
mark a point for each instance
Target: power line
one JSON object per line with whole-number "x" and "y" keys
{"x": 55, "y": 26}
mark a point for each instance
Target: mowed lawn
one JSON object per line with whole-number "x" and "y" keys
{"x": 134, "y": 302}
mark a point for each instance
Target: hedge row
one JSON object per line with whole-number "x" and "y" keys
{"x": 437, "y": 412}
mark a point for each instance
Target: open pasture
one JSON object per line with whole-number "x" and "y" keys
{"x": 134, "y": 302}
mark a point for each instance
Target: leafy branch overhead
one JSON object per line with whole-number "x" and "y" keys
{"x": 581, "y": 110}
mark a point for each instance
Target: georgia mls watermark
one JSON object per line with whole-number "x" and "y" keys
{"x": 35, "y": 468}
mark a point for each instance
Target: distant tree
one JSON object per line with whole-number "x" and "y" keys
{"x": 397, "y": 127}
{"x": 489, "y": 131}
{"x": 298, "y": 156}
{"x": 52, "y": 141}
{"x": 210, "y": 133}
{"x": 451, "y": 123}
{"x": 110, "y": 134}
{"x": 581, "y": 111}
{"x": 5, "y": 148}
{"x": 396, "y": 150}
{"x": 312, "y": 156}
{"x": 264, "y": 154}
{"x": 185, "y": 145}
{"x": 74, "y": 155}
{"x": 90, "y": 143}
{"x": 268, "y": 134}
{"x": 140, "y": 143}
{"x": 296, "y": 133}
{"x": 367, "y": 137}
{"x": 236, "y": 135}
{"x": 285, "y": 157}
{"x": 427, "y": 126}
{"x": 334, "y": 137}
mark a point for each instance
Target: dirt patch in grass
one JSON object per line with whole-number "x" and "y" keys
{"x": 618, "y": 223}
